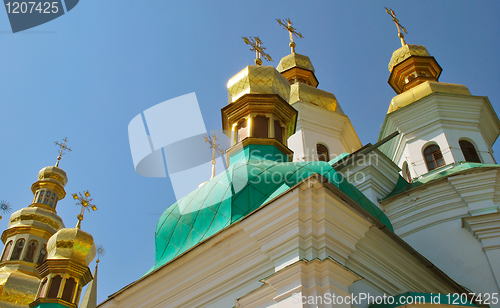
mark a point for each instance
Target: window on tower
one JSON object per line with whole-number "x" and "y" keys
{"x": 69, "y": 288}
{"x": 278, "y": 131}
{"x": 6, "y": 251}
{"x": 18, "y": 249}
{"x": 242, "y": 130}
{"x": 55, "y": 283}
{"x": 261, "y": 127}
{"x": 469, "y": 151}
{"x": 323, "y": 154}
{"x": 433, "y": 157}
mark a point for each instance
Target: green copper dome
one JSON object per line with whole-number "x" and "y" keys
{"x": 258, "y": 173}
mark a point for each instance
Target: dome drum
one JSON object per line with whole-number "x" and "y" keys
{"x": 260, "y": 116}
{"x": 414, "y": 71}
{"x": 56, "y": 187}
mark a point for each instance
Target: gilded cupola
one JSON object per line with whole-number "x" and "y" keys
{"x": 66, "y": 271}
{"x": 258, "y": 111}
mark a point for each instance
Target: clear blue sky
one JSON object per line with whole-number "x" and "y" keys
{"x": 85, "y": 75}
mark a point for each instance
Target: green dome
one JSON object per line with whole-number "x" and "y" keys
{"x": 258, "y": 173}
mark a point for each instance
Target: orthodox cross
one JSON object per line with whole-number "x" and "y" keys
{"x": 63, "y": 147}
{"x": 84, "y": 201}
{"x": 287, "y": 24}
{"x": 400, "y": 27}
{"x": 256, "y": 45}
{"x": 212, "y": 140}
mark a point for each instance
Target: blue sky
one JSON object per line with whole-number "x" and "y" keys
{"x": 86, "y": 74}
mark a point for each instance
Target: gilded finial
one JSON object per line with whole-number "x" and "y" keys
{"x": 63, "y": 147}
{"x": 400, "y": 27}
{"x": 5, "y": 207}
{"x": 287, "y": 24}
{"x": 84, "y": 201}
{"x": 212, "y": 140}
{"x": 256, "y": 45}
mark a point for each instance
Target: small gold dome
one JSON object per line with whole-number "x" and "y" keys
{"x": 403, "y": 53}
{"x": 53, "y": 174}
{"x": 257, "y": 79}
{"x": 73, "y": 244}
{"x": 307, "y": 94}
{"x": 295, "y": 60}
{"x": 36, "y": 217}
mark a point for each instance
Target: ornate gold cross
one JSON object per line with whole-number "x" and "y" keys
{"x": 400, "y": 27}
{"x": 63, "y": 148}
{"x": 287, "y": 24}
{"x": 84, "y": 201}
{"x": 212, "y": 140}
{"x": 256, "y": 45}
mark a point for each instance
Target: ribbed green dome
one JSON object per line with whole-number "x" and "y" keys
{"x": 258, "y": 173}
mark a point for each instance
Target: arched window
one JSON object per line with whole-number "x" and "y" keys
{"x": 30, "y": 254}
{"x": 42, "y": 255}
{"x": 242, "y": 130}
{"x": 42, "y": 288}
{"x": 69, "y": 288}
{"x": 55, "y": 283}
{"x": 469, "y": 151}
{"x": 261, "y": 127}
{"x": 6, "y": 251}
{"x": 40, "y": 197}
{"x": 18, "y": 249}
{"x": 433, "y": 157}
{"x": 406, "y": 172}
{"x": 323, "y": 154}
{"x": 47, "y": 196}
{"x": 278, "y": 131}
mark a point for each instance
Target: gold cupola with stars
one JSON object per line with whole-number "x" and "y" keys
{"x": 28, "y": 232}
{"x": 415, "y": 73}
{"x": 258, "y": 111}
{"x": 66, "y": 270}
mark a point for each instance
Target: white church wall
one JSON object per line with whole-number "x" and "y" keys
{"x": 455, "y": 251}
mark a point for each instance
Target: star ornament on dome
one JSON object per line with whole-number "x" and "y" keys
{"x": 5, "y": 207}
{"x": 100, "y": 252}
{"x": 256, "y": 45}
{"x": 84, "y": 201}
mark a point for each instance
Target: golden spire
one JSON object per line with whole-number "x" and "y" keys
{"x": 84, "y": 201}
{"x": 256, "y": 44}
{"x": 63, "y": 147}
{"x": 215, "y": 149}
{"x": 287, "y": 24}
{"x": 400, "y": 27}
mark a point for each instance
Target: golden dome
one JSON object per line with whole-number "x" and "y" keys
{"x": 36, "y": 217}
{"x": 17, "y": 289}
{"x": 424, "y": 89}
{"x": 295, "y": 60}
{"x": 403, "y": 53}
{"x": 257, "y": 79}
{"x": 307, "y": 94}
{"x": 53, "y": 174}
{"x": 73, "y": 244}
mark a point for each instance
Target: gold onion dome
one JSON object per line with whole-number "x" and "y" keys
{"x": 73, "y": 244}
{"x": 403, "y": 53}
{"x": 257, "y": 79}
{"x": 295, "y": 60}
{"x": 53, "y": 174}
{"x": 36, "y": 217}
{"x": 307, "y": 94}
